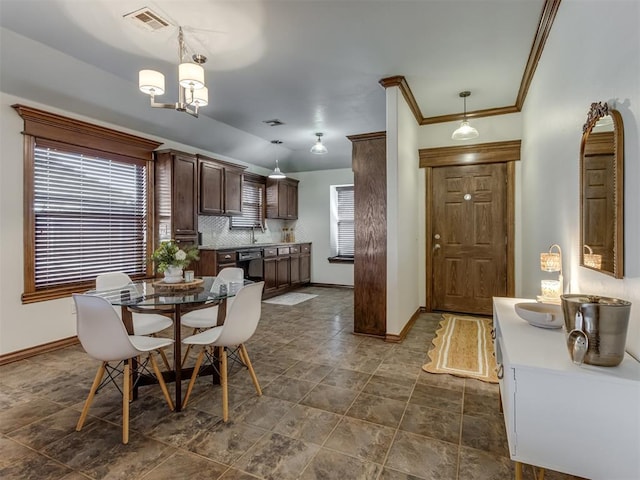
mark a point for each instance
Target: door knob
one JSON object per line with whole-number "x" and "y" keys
{"x": 437, "y": 236}
{"x": 436, "y": 247}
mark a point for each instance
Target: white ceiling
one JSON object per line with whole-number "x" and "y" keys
{"x": 313, "y": 64}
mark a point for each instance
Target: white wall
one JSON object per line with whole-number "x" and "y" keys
{"x": 313, "y": 223}
{"x": 405, "y": 231}
{"x": 592, "y": 54}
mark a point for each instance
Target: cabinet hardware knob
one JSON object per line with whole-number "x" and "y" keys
{"x": 500, "y": 372}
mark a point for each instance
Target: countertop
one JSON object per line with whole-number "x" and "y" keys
{"x": 248, "y": 246}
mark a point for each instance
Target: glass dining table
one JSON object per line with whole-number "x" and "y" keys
{"x": 171, "y": 300}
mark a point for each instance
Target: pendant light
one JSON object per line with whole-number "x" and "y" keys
{"x": 192, "y": 92}
{"x": 277, "y": 174}
{"x": 318, "y": 148}
{"x": 464, "y": 131}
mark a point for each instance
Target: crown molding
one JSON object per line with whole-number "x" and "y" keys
{"x": 547, "y": 16}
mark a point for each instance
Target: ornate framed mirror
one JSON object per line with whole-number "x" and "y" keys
{"x": 602, "y": 191}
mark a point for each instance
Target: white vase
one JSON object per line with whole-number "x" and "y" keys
{"x": 173, "y": 274}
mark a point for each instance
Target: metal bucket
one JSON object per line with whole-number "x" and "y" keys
{"x": 605, "y": 321}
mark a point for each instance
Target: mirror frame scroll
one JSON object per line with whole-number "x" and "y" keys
{"x": 596, "y": 112}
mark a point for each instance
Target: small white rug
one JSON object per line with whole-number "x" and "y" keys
{"x": 290, "y": 298}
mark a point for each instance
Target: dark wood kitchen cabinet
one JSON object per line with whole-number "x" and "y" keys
{"x": 282, "y": 198}
{"x": 175, "y": 197}
{"x": 220, "y": 187}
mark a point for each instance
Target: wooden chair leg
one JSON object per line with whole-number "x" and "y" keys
{"x": 126, "y": 393}
{"x": 94, "y": 386}
{"x": 165, "y": 360}
{"x": 519, "y": 470}
{"x": 193, "y": 378}
{"x": 223, "y": 384}
{"x": 163, "y": 386}
{"x": 188, "y": 349}
{"x": 245, "y": 358}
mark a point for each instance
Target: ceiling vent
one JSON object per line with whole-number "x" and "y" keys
{"x": 147, "y": 19}
{"x": 274, "y": 122}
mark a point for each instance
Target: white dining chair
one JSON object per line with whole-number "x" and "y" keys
{"x": 104, "y": 337}
{"x": 239, "y": 326}
{"x": 204, "y": 318}
{"x": 143, "y": 323}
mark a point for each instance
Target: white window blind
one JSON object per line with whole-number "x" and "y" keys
{"x": 252, "y": 206}
{"x": 346, "y": 232}
{"x": 90, "y": 216}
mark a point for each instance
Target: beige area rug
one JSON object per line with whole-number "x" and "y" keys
{"x": 463, "y": 347}
{"x": 292, "y": 298}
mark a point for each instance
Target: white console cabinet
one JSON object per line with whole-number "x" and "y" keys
{"x": 582, "y": 420}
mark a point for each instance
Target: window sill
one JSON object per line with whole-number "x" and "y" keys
{"x": 340, "y": 259}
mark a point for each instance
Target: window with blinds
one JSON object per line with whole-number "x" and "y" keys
{"x": 252, "y": 206}
{"x": 345, "y": 220}
{"x": 90, "y": 215}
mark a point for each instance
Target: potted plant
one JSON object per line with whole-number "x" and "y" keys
{"x": 171, "y": 259}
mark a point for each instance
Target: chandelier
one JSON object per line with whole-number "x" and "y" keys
{"x": 192, "y": 93}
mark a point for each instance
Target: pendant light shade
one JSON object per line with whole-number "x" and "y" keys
{"x": 151, "y": 82}
{"x": 191, "y": 75}
{"x": 277, "y": 174}
{"x": 318, "y": 148}
{"x": 465, "y": 131}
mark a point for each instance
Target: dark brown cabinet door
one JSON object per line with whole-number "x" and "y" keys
{"x": 232, "y": 191}
{"x": 282, "y": 198}
{"x": 283, "y": 275}
{"x": 184, "y": 213}
{"x": 469, "y": 237}
{"x": 211, "y": 188}
{"x": 305, "y": 268}
{"x": 294, "y": 275}
{"x": 270, "y": 272}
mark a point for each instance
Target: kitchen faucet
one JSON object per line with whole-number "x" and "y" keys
{"x": 253, "y": 234}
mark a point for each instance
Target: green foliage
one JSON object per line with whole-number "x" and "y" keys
{"x": 168, "y": 254}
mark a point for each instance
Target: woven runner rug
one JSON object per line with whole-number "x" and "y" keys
{"x": 463, "y": 347}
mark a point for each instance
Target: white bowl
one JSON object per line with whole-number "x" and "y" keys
{"x": 545, "y": 315}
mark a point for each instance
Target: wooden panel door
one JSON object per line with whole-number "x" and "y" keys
{"x": 469, "y": 237}
{"x": 599, "y": 207}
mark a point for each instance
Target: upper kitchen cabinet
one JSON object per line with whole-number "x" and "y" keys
{"x": 220, "y": 187}
{"x": 282, "y": 198}
{"x": 176, "y": 216}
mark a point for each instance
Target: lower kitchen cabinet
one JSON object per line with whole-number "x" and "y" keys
{"x": 284, "y": 267}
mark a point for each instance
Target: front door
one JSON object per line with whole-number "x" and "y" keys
{"x": 469, "y": 237}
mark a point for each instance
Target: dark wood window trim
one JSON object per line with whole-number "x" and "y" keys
{"x": 77, "y": 135}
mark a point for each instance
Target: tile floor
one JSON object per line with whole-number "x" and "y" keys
{"x": 335, "y": 406}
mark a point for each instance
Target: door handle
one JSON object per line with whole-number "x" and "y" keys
{"x": 435, "y": 247}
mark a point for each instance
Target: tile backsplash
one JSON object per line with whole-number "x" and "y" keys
{"x": 216, "y": 233}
